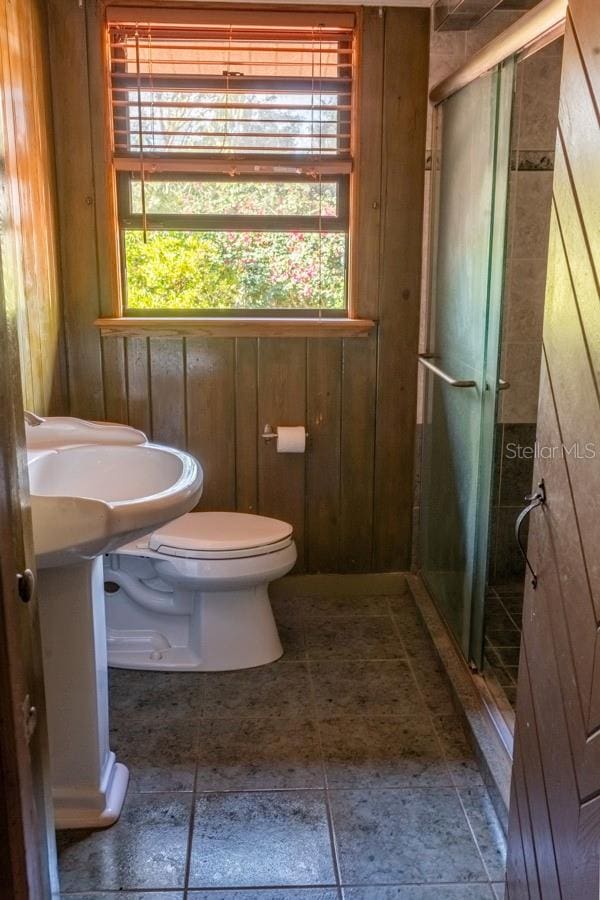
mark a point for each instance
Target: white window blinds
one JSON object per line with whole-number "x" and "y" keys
{"x": 231, "y": 91}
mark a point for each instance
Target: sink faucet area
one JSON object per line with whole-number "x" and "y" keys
{"x": 93, "y": 488}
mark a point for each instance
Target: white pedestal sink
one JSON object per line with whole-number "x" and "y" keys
{"x": 86, "y": 501}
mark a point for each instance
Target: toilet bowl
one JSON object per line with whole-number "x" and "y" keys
{"x": 192, "y": 596}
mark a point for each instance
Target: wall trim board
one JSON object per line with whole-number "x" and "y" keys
{"x": 234, "y": 326}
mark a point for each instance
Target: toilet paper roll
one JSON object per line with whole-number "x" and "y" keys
{"x": 291, "y": 439}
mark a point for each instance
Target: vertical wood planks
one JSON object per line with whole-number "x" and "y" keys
{"x": 357, "y": 454}
{"x": 167, "y": 367}
{"x": 211, "y": 417}
{"x": 359, "y": 358}
{"x": 137, "y": 386}
{"x": 247, "y": 425}
{"x": 25, "y": 166}
{"x": 75, "y": 185}
{"x": 104, "y": 187}
{"x": 405, "y": 111}
{"x": 367, "y": 202}
{"x": 12, "y": 250}
{"x": 114, "y": 383}
{"x": 29, "y": 233}
{"x": 49, "y": 292}
{"x": 282, "y": 401}
{"x": 323, "y": 424}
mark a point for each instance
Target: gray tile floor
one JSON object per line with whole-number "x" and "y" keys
{"x": 340, "y": 772}
{"x": 503, "y": 621}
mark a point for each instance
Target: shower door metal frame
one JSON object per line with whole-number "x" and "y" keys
{"x": 472, "y": 635}
{"x": 494, "y": 384}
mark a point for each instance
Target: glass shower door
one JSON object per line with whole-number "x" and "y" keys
{"x": 471, "y": 170}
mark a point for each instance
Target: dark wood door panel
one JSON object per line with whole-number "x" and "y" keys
{"x": 535, "y": 804}
{"x": 523, "y": 874}
{"x": 563, "y": 599}
{"x": 554, "y": 829}
{"x": 556, "y": 551}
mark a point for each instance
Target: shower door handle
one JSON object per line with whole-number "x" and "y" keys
{"x": 425, "y": 360}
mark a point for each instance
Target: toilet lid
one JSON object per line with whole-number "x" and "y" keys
{"x": 219, "y": 531}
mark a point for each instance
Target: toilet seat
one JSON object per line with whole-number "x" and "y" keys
{"x": 220, "y": 535}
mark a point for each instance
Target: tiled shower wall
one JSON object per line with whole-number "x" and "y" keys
{"x": 532, "y": 161}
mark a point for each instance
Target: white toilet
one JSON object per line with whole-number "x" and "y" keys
{"x": 193, "y": 595}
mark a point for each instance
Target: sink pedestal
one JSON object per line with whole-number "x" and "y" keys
{"x": 88, "y": 785}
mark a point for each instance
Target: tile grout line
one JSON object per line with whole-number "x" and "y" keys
{"x": 457, "y": 788}
{"x": 474, "y": 836}
{"x": 328, "y": 811}
{"x": 267, "y": 888}
{"x": 428, "y": 711}
{"x": 190, "y": 839}
{"x": 509, "y": 614}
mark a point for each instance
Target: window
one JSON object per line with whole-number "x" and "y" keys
{"x": 232, "y": 152}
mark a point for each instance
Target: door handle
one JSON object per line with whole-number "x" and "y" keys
{"x": 535, "y": 500}
{"x": 425, "y": 360}
{"x": 25, "y": 585}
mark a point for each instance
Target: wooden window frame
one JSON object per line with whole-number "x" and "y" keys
{"x": 338, "y": 224}
{"x": 275, "y": 323}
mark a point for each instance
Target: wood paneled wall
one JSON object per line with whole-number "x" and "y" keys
{"x": 555, "y": 808}
{"x": 29, "y": 229}
{"x": 350, "y": 496}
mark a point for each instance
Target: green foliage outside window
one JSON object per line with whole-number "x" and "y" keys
{"x": 236, "y": 269}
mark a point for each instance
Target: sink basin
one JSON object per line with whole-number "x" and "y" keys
{"x": 88, "y": 500}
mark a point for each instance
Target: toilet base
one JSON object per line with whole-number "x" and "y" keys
{"x": 226, "y": 631}
{"x": 173, "y": 659}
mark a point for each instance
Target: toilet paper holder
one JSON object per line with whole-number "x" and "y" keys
{"x": 270, "y": 433}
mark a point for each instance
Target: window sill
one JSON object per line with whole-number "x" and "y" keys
{"x": 234, "y": 327}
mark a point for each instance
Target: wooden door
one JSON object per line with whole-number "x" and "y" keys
{"x": 554, "y": 830}
{"x": 27, "y": 855}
